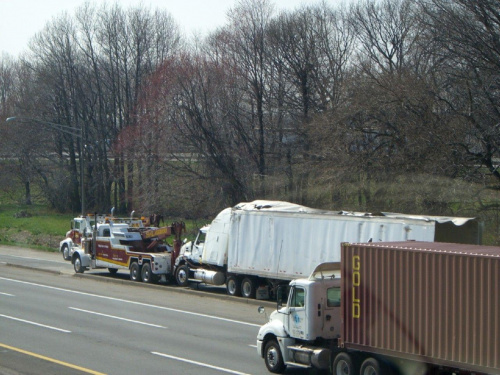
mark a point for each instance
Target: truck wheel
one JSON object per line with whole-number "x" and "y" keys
{"x": 370, "y": 366}
{"x": 146, "y": 273}
{"x": 273, "y": 357}
{"x": 248, "y": 288}
{"x": 182, "y": 275}
{"x": 65, "y": 252}
{"x": 343, "y": 365}
{"x": 77, "y": 265}
{"x": 233, "y": 286}
{"x": 135, "y": 272}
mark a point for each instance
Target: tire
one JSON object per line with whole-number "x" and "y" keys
{"x": 248, "y": 288}
{"x": 233, "y": 286}
{"x": 135, "y": 272}
{"x": 370, "y": 366}
{"x": 65, "y": 252}
{"x": 113, "y": 271}
{"x": 343, "y": 365}
{"x": 77, "y": 265}
{"x": 146, "y": 274}
{"x": 182, "y": 275}
{"x": 273, "y": 358}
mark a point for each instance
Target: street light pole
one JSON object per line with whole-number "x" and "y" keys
{"x": 68, "y": 130}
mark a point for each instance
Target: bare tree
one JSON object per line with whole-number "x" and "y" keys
{"x": 54, "y": 59}
{"x": 7, "y": 84}
{"x": 468, "y": 36}
{"x": 248, "y": 53}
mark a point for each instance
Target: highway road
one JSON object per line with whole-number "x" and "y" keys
{"x": 54, "y": 321}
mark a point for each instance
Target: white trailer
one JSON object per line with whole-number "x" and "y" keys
{"x": 267, "y": 243}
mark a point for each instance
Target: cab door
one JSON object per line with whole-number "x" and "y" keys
{"x": 297, "y": 322}
{"x": 197, "y": 248}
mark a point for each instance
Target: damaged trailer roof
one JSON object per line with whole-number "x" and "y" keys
{"x": 446, "y": 227}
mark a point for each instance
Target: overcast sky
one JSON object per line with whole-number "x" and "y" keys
{"x": 21, "y": 19}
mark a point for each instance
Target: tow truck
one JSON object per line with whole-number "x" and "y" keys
{"x": 142, "y": 251}
{"x": 82, "y": 226}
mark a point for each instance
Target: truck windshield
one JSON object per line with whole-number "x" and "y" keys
{"x": 201, "y": 237}
{"x": 333, "y": 297}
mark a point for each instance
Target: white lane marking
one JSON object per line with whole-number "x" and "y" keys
{"x": 184, "y": 312}
{"x": 253, "y": 346}
{"x": 38, "y": 259}
{"x": 116, "y": 317}
{"x": 199, "y": 363}
{"x": 34, "y": 323}
{"x": 7, "y": 294}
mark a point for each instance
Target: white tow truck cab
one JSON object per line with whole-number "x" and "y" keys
{"x": 300, "y": 333}
{"x": 82, "y": 227}
{"x": 141, "y": 250}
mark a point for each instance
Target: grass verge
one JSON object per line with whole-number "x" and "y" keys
{"x": 37, "y": 227}
{"x": 32, "y": 226}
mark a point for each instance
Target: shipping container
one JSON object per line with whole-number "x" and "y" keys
{"x": 434, "y": 303}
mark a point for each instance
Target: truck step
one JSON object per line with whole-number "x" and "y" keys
{"x": 301, "y": 365}
{"x": 301, "y": 349}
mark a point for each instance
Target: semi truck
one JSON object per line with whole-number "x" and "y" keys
{"x": 140, "y": 250}
{"x": 404, "y": 308}
{"x": 254, "y": 247}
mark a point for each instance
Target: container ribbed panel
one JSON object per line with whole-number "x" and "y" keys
{"x": 436, "y": 302}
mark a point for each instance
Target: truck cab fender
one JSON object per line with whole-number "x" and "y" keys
{"x": 186, "y": 248}
{"x": 181, "y": 260}
{"x": 67, "y": 241}
{"x": 273, "y": 328}
{"x": 84, "y": 258}
{"x": 283, "y": 342}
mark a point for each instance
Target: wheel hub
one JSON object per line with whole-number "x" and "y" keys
{"x": 342, "y": 368}
{"x": 272, "y": 357}
{"x": 182, "y": 276}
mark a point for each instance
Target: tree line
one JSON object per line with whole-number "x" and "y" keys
{"x": 368, "y": 105}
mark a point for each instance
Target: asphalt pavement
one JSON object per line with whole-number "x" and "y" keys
{"x": 14, "y": 361}
{"x": 53, "y": 262}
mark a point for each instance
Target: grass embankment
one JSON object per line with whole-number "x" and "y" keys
{"x": 32, "y": 226}
{"x": 37, "y": 227}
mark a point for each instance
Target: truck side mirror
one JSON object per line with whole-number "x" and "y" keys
{"x": 280, "y": 296}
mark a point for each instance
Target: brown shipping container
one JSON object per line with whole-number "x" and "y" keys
{"x": 431, "y": 302}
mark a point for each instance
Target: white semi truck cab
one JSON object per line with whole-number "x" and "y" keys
{"x": 302, "y": 333}
{"x": 193, "y": 250}
{"x": 398, "y": 309}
